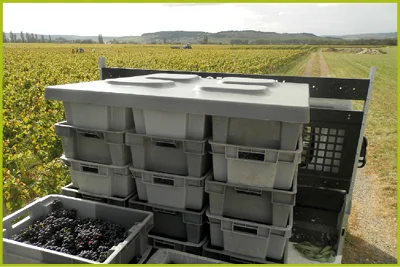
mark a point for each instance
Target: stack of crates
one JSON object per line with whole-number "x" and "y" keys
{"x": 252, "y": 193}
{"x": 214, "y": 160}
{"x": 170, "y": 164}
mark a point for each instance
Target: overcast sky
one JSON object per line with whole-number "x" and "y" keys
{"x": 135, "y": 19}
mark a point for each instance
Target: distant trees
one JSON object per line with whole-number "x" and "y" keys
{"x": 13, "y": 37}
{"x": 101, "y": 41}
{"x": 27, "y": 38}
{"x": 205, "y": 40}
{"x": 326, "y": 41}
{"x": 239, "y": 41}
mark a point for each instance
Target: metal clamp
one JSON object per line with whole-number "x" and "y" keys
{"x": 362, "y": 160}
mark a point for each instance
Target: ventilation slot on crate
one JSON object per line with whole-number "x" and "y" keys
{"x": 245, "y": 229}
{"x": 90, "y": 169}
{"x": 251, "y": 156}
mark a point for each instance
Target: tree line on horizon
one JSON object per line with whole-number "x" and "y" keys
{"x": 34, "y": 38}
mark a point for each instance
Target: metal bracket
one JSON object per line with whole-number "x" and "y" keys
{"x": 362, "y": 160}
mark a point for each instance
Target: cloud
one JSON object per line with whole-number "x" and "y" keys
{"x": 281, "y": 13}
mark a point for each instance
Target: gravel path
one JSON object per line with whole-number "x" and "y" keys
{"x": 370, "y": 237}
{"x": 308, "y": 70}
{"x": 323, "y": 67}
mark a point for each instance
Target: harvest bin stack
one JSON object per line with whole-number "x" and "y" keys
{"x": 213, "y": 160}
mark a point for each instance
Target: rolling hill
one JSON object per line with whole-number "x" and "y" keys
{"x": 223, "y": 37}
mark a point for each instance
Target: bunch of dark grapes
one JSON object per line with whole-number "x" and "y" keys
{"x": 63, "y": 231}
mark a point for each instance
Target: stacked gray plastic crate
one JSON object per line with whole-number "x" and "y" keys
{"x": 253, "y": 190}
{"x": 164, "y": 140}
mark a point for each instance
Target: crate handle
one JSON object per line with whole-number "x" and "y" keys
{"x": 93, "y": 135}
{"x": 249, "y": 192}
{"x": 241, "y": 228}
{"x": 165, "y": 211}
{"x": 163, "y": 244}
{"x": 25, "y": 215}
{"x": 90, "y": 169}
{"x": 164, "y": 143}
{"x": 161, "y": 180}
{"x": 251, "y": 155}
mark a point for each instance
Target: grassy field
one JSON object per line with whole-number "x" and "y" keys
{"x": 381, "y": 128}
{"x": 31, "y": 167}
{"x": 372, "y": 235}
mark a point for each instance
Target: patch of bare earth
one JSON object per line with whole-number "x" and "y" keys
{"x": 325, "y": 72}
{"x": 309, "y": 66}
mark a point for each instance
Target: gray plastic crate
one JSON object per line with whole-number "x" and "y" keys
{"x": 143, "y": 258}
{"x": 100, "y": 179}
{"x": 216, "y": 253}
{"x": 256, "y": 133}
{"x": 178, "y": 224}
{"x": 136, "y": 244}
{"x": 173, "y": 191}
{"x": 172, "y": 124}
{"x": 169, "y": 256}
{"x": 98, "y": 117}
{"x": 168, "y": 243}
{"x": 174, "y": 156}
{"x": 260, "y": 167}
{"x": 267, "y": 206}
{"x": 105, "y": 147}
{"x": 248, "y": 238}
{"x": 71, "y": 191}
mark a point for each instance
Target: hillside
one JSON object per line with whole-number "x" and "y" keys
{"x": 368, "y": 36}
{"x": 220, "y": 37}
{"x": 224, "y": 37}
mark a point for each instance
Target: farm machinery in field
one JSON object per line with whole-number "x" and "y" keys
{"x": 186, "y": 46}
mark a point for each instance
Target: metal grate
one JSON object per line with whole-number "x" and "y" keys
{"x": 322, "y": 149}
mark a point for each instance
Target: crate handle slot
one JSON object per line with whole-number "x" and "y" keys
{"x": 163, "y": 244}
{"x": 20, "y": 218}
{"x": 164, "y": 143}
{"x": 90, "y": 169}
{"x": 165, "y": 211}
{"x": 163, "y": 180}
{"x": 245, "y": 229}
{"x": 249, "y": 192}
{"x": 93, "y": 135}
{"x": 160, "y": 144}
{"x": 253, "y": 156}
